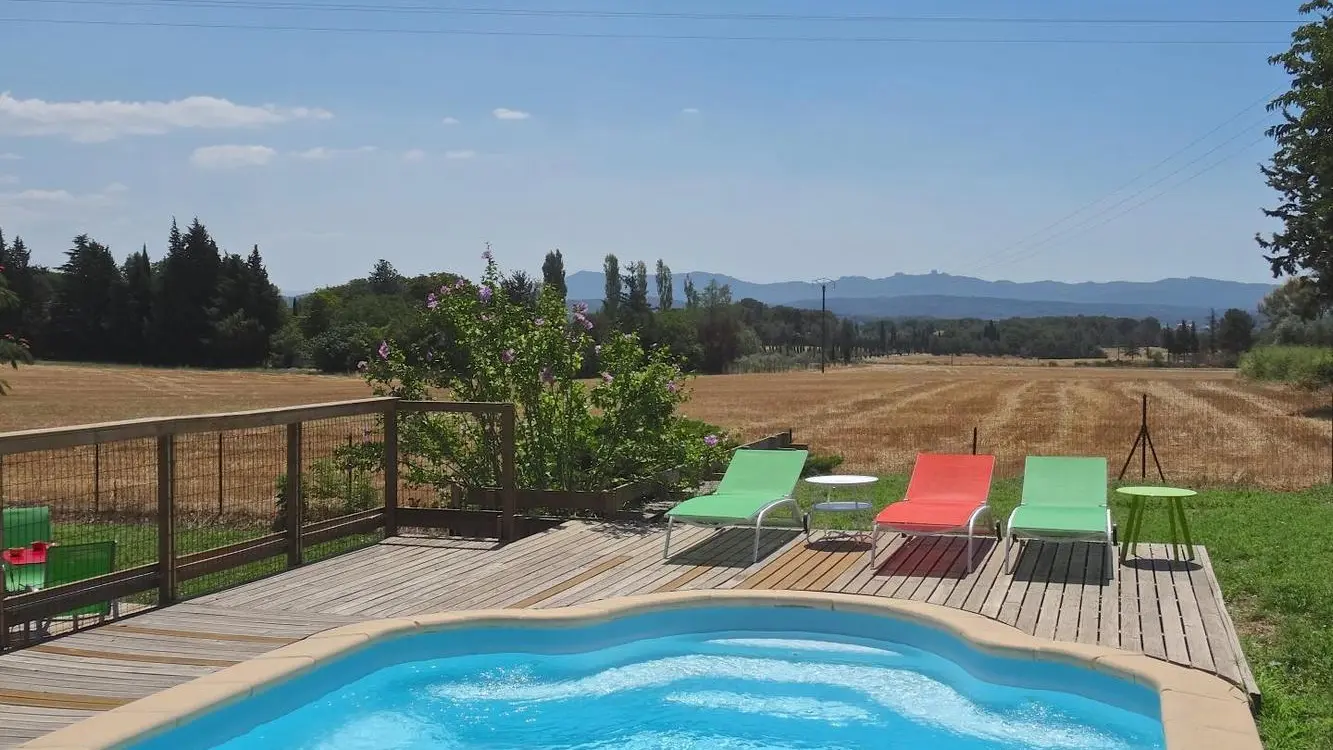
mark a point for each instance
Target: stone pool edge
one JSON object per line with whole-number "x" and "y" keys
{"x": 1199, "y": 711}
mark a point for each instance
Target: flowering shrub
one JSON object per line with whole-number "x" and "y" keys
{"x": 481, "y": 346}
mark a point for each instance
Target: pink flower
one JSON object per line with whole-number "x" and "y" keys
{"x": 597, "y": 349}
{"x": 507, "y": 356}
{"x": 432, "y": 301}
{"x": 671, "y": 386}
{"x": 484, "y": 294}
{"x": 362, "y": 365}
{"x": 485, "y": 317}
{"x": 547, "y": 376}
{"x": 606, "y": 377}
{"x": 580, "y": 308}
{"x": 539, "y": 321}
{"x": 384, "y": 350}
{"x": 710, "y": 441}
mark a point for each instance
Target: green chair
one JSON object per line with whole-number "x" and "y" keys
{"x": 756, "y": 482}
{"x": 68, "y": 563}
{"x": 1064, "y": 499}
{"x": 25, "y": 525}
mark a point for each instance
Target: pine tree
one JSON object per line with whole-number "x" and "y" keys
{"x": 187, "y": 290}
{"x": 553, "y": 273}
{"x": 84, "y": 309}
{"x": 136, "y": 314}
{"x": 385, "y": 279}
{"x": 691, "y": 295}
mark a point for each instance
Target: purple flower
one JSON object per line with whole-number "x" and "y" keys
{"x": 445, "y": 289}
{"x": 539, "y": 321}
{"x": 547, "y": 375}
{"x": 384, "y": 350}
{"x": 432, "y": 301}
{"x": 606, "y": 377}
{"x": 587, "y": 324}
{"x": 484, "y": 294}
{"x": 507, "y": 356}
{"x": 362, "y": 365}
{"x": 460, "y": 282}
{"x": 710, "y": 441}
{"x": 485, "y": 317}
{"x": 580, "y": 308}
{"x": 671, "y": 386}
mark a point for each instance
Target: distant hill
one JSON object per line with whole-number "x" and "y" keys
{"x": 944, "y": 295}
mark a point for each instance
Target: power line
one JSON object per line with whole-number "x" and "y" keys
{"x": 663, "y": 15}
{"x": 1036, "y": 250}
{"x": 644, "y": 36}
{"x": 1021, "y": 243}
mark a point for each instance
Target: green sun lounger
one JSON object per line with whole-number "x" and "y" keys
{"x": 1064, "y": 499}
{"x": 757, "y": 482}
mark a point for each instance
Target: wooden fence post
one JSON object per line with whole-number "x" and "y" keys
{"x": 166, "y": 519}
{"x": 294, "y": 495}
{"x": 391, "y": 470}
{"x": 508, "y": 475}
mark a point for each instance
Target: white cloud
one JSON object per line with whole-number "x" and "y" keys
{"x": 231, "y": 157}
{"x": 415, "y": 154}
{"x": 465, "y": 153}
{"x": 450, "y": 121}
{"x": 10, "y": 157}
{"x": 32, "y": 201}
{"x": 319, "y": 153}
{"x": 502, "y": 113}
{"x": 9, "y": 179}
{"x": 689, "y": 111}
{"x": 96, "y": 121}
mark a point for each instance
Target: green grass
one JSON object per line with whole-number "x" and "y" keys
{"x": 1273, "y": 555}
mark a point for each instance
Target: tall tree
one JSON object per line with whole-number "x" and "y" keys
{"x": 385, "y": 279}
{"x": 186, "y": 292}
{"x": 1236, "y": 331}
{"x": 665, "y": 293}
{"x": 611, "y": 299}
{"x": 553, "y": 273}
{"x": 136, "y": 314}
{"x": 13, "y": 350}
{"x": 691, "y": 295}
{"x": 1300, "y": 170}
{"x": 86, "y": 303}
{"x": 521, "y": 289}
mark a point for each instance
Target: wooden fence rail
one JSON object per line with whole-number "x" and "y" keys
{"x": 172, "y": 545}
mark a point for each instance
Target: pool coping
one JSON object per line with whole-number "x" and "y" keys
{"x": 1199, "y": 711}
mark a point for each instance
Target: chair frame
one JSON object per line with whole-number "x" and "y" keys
{"x": 788, "y": 502}
{"x": 1011, "y": 537}
{"x": 968, "y": 530}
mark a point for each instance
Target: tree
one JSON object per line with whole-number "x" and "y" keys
{"x": 1212, "y": 331}
{"x": 85, "y": 307}
{"x": 385, "y": 279}
{"x": 521, "y": 289}
{"x": 1300, "y": 170}
{"x": 611, "y": 299}
{"x": 553, "y": 273}
{"x": 188, "y": 285}
{"x": 719, "y": 328}
{"x": 12, "y": 349}
{"x": 665, "y": 294}
{"x": 135, "y": 321}
{"x": 1235, "y": 333}
{"x": 691, "y": 296}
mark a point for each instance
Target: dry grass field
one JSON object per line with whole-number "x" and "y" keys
{"x": 1208, "y": 426}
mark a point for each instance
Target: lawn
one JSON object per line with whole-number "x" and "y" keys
{"x": 1273, "y": 555}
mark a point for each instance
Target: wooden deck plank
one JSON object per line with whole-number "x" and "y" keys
{"x": 1057, "y": 591}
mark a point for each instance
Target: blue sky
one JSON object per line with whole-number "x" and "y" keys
{"x": 767, "y": 160}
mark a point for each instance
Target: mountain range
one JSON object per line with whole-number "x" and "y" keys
{"x": 942, "y": 295}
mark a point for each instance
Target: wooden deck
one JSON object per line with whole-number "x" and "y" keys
{"x": 1172, "y": 611}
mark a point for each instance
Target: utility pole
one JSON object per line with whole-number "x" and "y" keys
{"x": 823, "y": 320}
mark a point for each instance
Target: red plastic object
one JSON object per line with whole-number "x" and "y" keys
{"x": 944, "y": 491}
{"x": 25, "y": 556}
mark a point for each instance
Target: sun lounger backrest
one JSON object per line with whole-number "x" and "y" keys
{"x": 1064, "y": 481}
{"x": 763, "y": 471}
{"x": 950, "y": 478}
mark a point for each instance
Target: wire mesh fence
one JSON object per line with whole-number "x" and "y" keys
{"x": 139, "y": 514}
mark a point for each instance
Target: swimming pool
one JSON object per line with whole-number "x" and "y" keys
{"x": 678, "y": 671}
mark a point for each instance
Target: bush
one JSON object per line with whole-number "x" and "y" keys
{"x": 1308, "y": 367}
{"x": 342, "y": 347}
{"x": 331, "y": 488}
{"x": 477, "y": 344}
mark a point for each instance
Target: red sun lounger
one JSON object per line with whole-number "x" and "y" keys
{"x": 947, "y": 495}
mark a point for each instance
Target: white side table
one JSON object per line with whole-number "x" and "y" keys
{"x": 829, "y": 505}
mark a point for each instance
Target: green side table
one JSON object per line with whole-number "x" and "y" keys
{"x": 1175, "y": 509}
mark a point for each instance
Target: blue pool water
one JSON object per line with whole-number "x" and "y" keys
{"x": 716, "y": 677}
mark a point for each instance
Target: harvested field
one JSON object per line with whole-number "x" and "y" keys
{"x": 1208, "y": 426}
